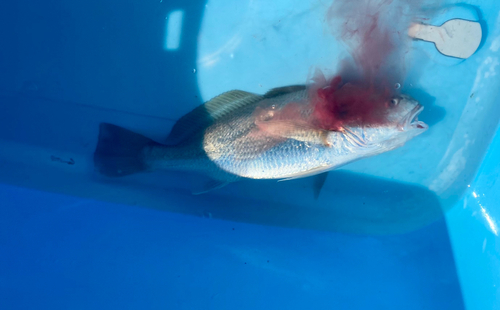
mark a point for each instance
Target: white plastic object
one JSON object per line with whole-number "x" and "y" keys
{"x": 456, "y": 38}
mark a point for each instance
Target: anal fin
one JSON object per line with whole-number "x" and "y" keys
{"x": 319, "y": 181}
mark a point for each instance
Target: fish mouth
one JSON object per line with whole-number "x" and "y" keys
{"x": 411, "y": 119}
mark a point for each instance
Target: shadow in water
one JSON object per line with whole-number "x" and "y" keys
{"x": 355, "y": 203}
{"x": 432, "y": 114}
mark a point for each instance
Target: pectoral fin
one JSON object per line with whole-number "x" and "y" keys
{"x": 295, "y": 129}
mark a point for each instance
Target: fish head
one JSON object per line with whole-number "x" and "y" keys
{"x": 401, "y": 124}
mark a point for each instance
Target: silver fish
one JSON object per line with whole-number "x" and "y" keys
{"x": 225, "y": 140}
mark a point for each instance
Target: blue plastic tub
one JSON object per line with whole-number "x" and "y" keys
{"x": 415, "y": 228}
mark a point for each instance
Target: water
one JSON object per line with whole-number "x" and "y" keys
{"x": 442, "y": 162}
{"x": 378, "y": 223}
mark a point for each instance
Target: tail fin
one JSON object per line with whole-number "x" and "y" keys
{"x": 119, "y": 151}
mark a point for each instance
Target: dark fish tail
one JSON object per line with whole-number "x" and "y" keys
{"x": 119, "y": 151}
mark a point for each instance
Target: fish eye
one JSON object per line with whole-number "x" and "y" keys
{"x": 394, "y": 102}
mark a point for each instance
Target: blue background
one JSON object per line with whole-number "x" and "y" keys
{"x": 62, "y": 252}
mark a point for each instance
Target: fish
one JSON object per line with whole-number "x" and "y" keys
{"x": 276, "y": 135}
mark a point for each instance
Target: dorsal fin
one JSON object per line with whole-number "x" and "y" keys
{"x": 230, "y": 101}
{"x": 205, "y": 114}
{"x": 278, "y": 91}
